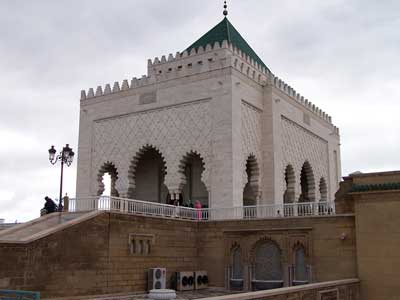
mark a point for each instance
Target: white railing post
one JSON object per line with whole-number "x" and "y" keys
{"x": 321, "y": 208}
{"x": 316, "y": 208}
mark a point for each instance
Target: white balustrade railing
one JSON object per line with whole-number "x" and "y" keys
{"x": 130, "y": 206}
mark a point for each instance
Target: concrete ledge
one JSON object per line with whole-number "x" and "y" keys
{"x": 24, "y": 225}
{"x": 280, "y": 218}
{"x": 119, "y": 296}
{"x": 286, "y": 290}
{"x": 45, "y": 232}
{"x": 377, "y": 192}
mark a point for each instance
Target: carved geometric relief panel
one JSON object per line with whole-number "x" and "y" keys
{"x": 300, "y": 145}
{"x": 251, "y": 137}
{"x": 174, "y": 131}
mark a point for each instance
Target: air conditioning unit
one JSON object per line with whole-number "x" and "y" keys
{"x": 184, "y": 281}
{"x": 156, "y": 278}
{"x": 200, "y": 280}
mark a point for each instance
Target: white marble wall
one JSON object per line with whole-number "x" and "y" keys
{"x": 217, "y": 103}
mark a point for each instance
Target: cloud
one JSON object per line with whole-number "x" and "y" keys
{"x": 342, "y": 55}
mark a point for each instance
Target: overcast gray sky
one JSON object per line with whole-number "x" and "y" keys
{"x": 343, "y": 55}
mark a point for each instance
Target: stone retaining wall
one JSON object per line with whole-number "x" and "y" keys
{"x": 96, "y": 257}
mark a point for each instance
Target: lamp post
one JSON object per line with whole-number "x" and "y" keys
{"x": 66, "y": 156}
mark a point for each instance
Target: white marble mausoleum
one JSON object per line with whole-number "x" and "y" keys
{"x": 211, "y": 123}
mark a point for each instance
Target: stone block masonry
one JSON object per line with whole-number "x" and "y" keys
{"x": 378, "y": 242}
{"x": 111, "y": 252}
{"x": 94, "y": 257}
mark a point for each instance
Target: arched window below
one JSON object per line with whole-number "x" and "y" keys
{"x": 237, "y": 272}
{"x": 300, "y": 271}
{"x": 268, "y": 273}
{"x": 236, "y": 276}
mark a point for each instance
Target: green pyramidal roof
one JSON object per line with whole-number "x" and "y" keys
{"x": 225, "y": 31}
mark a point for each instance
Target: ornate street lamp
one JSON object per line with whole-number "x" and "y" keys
{"x": 66, "y": 156}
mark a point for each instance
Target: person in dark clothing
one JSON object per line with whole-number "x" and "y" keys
{"x": 49, "y": 206}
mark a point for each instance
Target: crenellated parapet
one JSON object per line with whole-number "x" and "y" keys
{"x": 202, "y": 59}
{"x": 291, "y": 92}
{"x": 116, "y": 87}
{"x": 206, "y": 59}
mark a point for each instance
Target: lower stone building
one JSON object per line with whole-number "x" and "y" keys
{"x": 103, "y": 252}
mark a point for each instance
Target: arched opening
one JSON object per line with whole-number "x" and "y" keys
{"x": 250, "y": 190}
{"x": 107, "y": 178}
{"x": 107, "y": 184}
{"x": 193, "y": 189}
{"x": 323, "y": 190}
{"x": 290, "y": 180}
{"x": 307, "y": 184}
{"x": 148, "y": 174}
{"x": 300, "y": 267}
{"x": 268, "y": 270}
